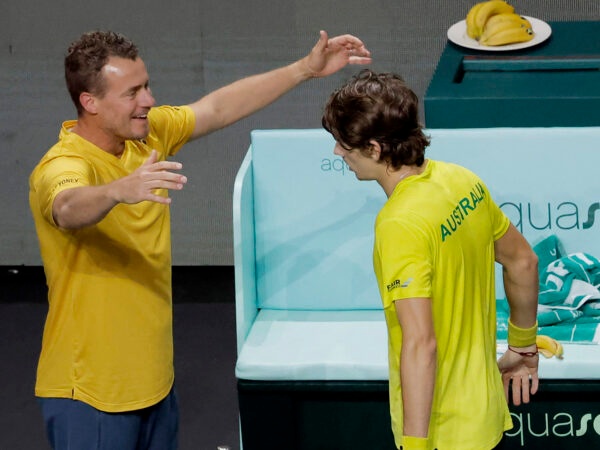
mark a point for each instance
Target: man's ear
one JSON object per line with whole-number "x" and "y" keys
{"x": 88, "y": 102}
{"x": 375, "y": 149}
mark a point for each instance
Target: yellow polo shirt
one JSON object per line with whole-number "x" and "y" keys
{"x": 108, "y": 337}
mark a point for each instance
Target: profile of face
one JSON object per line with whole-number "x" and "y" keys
{"x": 122, "y": 108}
{"x": 365, "y": 166}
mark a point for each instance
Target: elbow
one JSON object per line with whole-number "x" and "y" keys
{"x": 65, "y": 219}
{"x": 525, "y": 264}
{"x": 424, "y": 346}
{"x": 429, "y": 345}
{"x": 64, "y": 224}
{"x": 529, "y": 263}
{"x": 531, "y": 260}
{"x": 58, "y": 215}
{"x": 61, "y": 211}
{"x": 431, "y": 349}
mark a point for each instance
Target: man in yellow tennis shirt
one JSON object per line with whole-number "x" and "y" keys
{"x": 436, "y": 240}
{"x": 100, "y": 203}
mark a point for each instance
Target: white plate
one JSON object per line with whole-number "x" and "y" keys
{"x": 457, "y": 33}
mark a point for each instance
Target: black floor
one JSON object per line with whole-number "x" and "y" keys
{"x": 205, "y": 353}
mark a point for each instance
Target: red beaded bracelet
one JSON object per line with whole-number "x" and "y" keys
{"x": 524, "y": 353}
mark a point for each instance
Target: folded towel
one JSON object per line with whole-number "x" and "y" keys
{"x": 570, "y": 282}
{"x": 548, "y": 250}
{"x": 550, "y": 316}
{"x": 569, "y": 298}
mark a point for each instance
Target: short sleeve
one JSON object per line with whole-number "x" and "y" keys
{"x": 57, "y": 175}
{"x": 171, "y": 127}
{"x": 499, "y": 221}
{"x": 404, "y": 260}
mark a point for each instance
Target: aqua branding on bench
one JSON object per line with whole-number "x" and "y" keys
{"x": 560, "y": 425}
{"x": 565, "y": 215}
{"x": 334, "y": 165}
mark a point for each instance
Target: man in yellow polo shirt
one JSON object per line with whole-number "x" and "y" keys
{"x": 99, "y": 199}
{"x": 436, "y": 240}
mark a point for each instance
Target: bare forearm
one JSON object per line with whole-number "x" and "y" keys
{"x": 521, "y": 288}
{"x": 240, "y": 99}
{"x": 520, "y": 275}
{"x": 82, "y": 206}
{"x": 87, "y": 205}
{"x": 246, "y": 96}
{"x": 417, "y": 374}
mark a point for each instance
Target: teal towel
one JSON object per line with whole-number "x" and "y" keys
{"x": 551, "y": 316}
{"x": 569, "y": 298}
{"x": 570, "y": 282}
{"x": 548, "y": 250}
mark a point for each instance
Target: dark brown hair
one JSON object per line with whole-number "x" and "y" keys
{"x": 378, "y": 107}
{"x": 87, "y": 56}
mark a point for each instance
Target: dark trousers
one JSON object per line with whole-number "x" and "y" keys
{"x": 74, "y": 425}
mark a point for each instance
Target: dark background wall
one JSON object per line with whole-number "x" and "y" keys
{"x": 192, "y": 47}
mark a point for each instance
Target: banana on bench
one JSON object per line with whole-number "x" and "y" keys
{"x": 549, "y": 347}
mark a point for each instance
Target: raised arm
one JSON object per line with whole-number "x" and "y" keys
{"x": 248, "y": 95}
{"x": 519, "y": 365}
{"x": 87, "y": 205}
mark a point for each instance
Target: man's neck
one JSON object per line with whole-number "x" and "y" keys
{"x": 98, "y": 137}
{"x": 391, "y": 178}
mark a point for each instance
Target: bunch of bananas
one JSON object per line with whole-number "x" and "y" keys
{"x": 494, "y": 22}
{"x": 548, "y": 346}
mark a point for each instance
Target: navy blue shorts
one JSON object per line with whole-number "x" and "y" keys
{"x": 71, "y": 424}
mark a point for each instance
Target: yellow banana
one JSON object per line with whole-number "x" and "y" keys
{"x": 489, "y": 9}
{"x": 505, "y": 18}
{"x": 472, "y": 31}
{"x": 549, "y": 347}
{"x": 511, "y": 33}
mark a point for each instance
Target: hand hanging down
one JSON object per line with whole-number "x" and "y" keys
{"x": 520, "y": 373}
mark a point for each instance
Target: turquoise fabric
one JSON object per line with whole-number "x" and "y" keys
{"x": 569, "y": 298}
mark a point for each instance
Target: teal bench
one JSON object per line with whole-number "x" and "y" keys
{"x": 311, "y": 335}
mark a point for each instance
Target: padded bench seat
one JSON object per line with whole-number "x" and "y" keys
{"x": 352, "y": 345}
{"x": 315, "y": 345}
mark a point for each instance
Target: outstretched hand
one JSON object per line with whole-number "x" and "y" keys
{"x": 330, "y": 55}
{"x": 87, "y": 205}
{"x": 519, "y": 373}
{"x": 142, "y": 183}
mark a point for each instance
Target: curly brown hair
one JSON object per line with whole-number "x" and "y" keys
{"x": 380, "y": 107}
{"x": 87, "y": 56}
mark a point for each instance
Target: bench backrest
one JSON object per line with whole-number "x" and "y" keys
{"x": 313, "y": 220}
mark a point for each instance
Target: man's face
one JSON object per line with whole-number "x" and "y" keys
{"x": 365, "y": 167}
{"x": 123, "y": 109}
